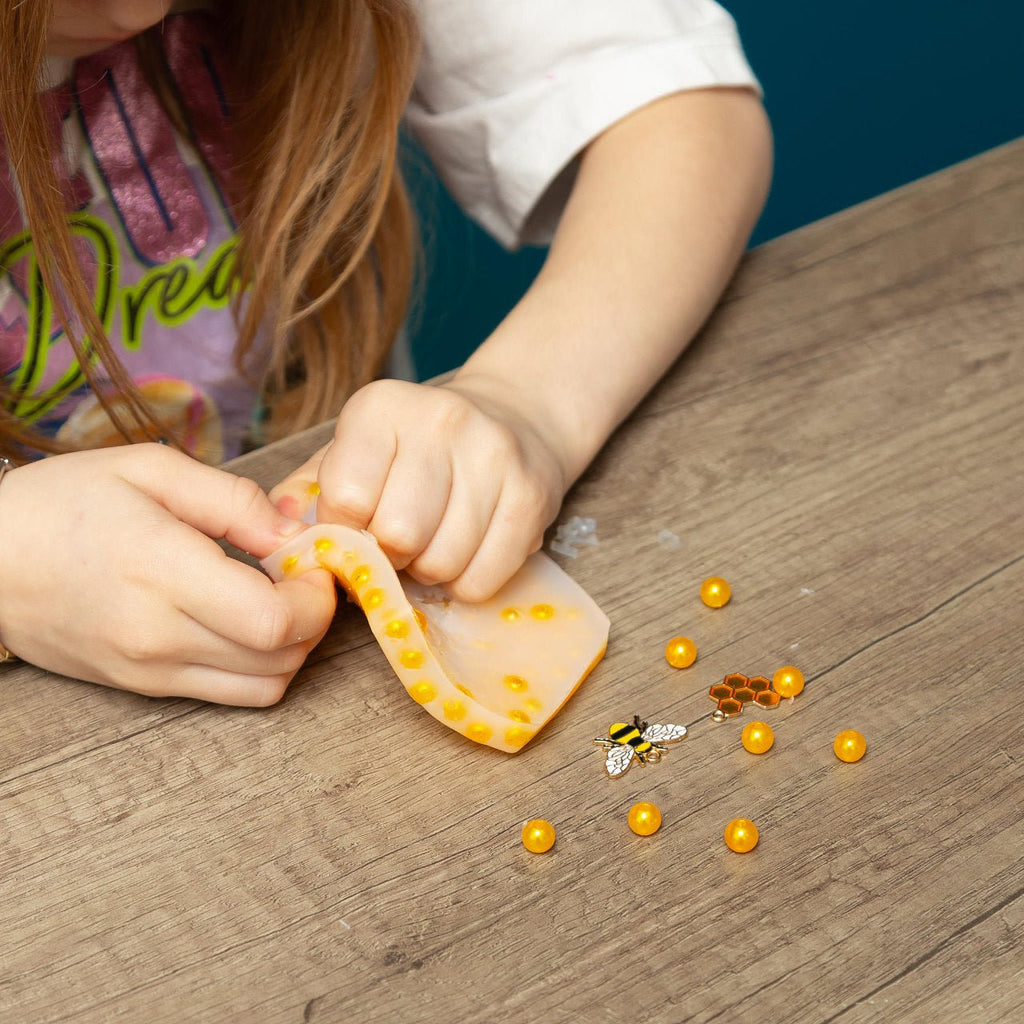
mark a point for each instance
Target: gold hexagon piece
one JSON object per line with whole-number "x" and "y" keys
{"x": 730, "y": 706}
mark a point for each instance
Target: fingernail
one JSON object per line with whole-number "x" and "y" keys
{"x": 289, "y": 506}
{"x": 289, "y": 527}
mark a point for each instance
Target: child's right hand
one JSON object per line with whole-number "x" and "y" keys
{"x": 108, "y": 573}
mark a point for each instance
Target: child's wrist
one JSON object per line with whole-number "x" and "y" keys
{"x": 5, "y": 654}
{"x": 527, "y": 407}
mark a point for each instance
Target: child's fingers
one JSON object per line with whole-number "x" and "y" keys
{"x": 225, "y": 677}
{"x": 118, "y": 583}
{"x": 239, "y": 661}
{"x": 243, "y": 606}
{"x": 217, "y": 503}
{"x": 296, "y": 493}
{"x": 220, "y": 686}
{"x": 459, "y": 533}
{"x": 355, "y": 469}
{"x": 456, "y": 489}
{"x": 225, "y": 656}
{"x": 413, "y": 503}
{"x": 505, "y": 545}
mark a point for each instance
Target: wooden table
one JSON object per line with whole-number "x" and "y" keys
{"x": 845, "y": 444}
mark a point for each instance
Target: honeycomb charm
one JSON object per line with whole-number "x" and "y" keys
{"x": 736, "y": 691}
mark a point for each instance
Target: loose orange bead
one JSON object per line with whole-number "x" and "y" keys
{"x": 788, "y": 681}
{"x": 538, "y": 835}
{"x": 680, "y": 652}
{"x": 850, "y": 746}
{"x": 757, "y": 737}
{"x": 644, "y": 818}
{"x": 741, "y": 835}
{"x": 715, "y": 592}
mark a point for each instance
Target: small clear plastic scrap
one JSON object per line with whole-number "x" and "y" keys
{"x": 670, "y": 540}
{"x": 578, "y": 532}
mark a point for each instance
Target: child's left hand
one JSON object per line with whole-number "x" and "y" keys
{"x": 457, "y": 481}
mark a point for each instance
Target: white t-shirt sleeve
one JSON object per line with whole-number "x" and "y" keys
{"x": 508, "y": 93}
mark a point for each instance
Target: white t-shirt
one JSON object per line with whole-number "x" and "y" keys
{"x": 509, "y": 93}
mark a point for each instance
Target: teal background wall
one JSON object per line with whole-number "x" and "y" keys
{"x": 863, "y": 96}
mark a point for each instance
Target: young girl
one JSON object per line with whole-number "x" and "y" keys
{"x": 204, "y": 242}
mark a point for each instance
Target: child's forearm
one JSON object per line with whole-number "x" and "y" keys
{"x": 660, "y": 213}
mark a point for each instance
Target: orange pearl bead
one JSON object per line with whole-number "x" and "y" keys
{"x": 741, "y": 835}
{"x": 644, "y": 818}
{"x": 680, "y": 652}
{"x": 757, "y": 737}
{"x": 788, "y": 681}
{"x": 538, "y": 835}
{"x": 850, "y": 746}
{"x": 715, "y": 592}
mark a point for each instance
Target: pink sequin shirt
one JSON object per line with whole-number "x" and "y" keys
{"x": 156, "y": 237}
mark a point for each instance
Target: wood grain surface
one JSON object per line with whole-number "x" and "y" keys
{"x": 845, "y": 444}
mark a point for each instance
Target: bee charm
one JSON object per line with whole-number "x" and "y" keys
{"x": 639, "y": 741}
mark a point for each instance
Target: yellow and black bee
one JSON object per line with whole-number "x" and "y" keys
{"x": 639, "y": 741}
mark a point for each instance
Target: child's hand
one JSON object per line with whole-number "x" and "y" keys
{"x": 455, "y": 481}
{"x": 108, "y": 574}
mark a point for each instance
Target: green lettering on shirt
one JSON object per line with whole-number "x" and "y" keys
{"x": 170, "y": 294}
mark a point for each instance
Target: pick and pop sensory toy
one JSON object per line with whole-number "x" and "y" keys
{"x": 496, "y": 671}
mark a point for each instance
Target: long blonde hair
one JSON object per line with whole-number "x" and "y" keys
{"x": 326, "y": 233}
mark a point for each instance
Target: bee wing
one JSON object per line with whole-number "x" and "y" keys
{"x": 619, "y": 758}
{"x": 664, "y": 733}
